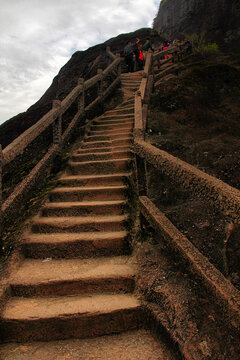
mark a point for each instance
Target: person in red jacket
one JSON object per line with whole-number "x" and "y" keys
{"x": 139, "y": 56}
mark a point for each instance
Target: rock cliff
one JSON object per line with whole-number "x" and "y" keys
{"x": 220, "y": 19}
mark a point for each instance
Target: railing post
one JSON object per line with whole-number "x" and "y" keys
{"x": 81, "y": 101}
{"x": 100, "y": 83}
{"x": 1, "y": 174}
{"x": 141, "y": 166}
{"x": 57, "y": 125}
{"x": 107, "y": 51}
{"x": 119, "y": 70}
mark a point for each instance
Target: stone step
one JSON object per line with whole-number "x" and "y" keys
{"x": 127, "y": 130}
{"x": 127, "y": 110}
{"x": 113, "y": 143}
{"x": 67, "y": 317}
{"x": 101, "y": 155}
{"x": 72, "y": 245}
{"x": 99, "y": 167}
{"x": 130, "y": 345}
{"x": 122, "y": 133}
{"x": 126, "y": 122}
{"x": 116, "y": 207}
{"x": 78, "y": 224}
{"x": 117, "y": 116}
{"x": 129, "y": 101}
{"x": 133, "y": 80}
{"x": 106, "y": 149}
{"x": 130, "y": 83}
{"x": 86, "y": 193}
{"x": 117, "y": 179}
{"x": 108, "y": 126}
{"x": 73, "y": 277}
{"x": 136, "y": 74}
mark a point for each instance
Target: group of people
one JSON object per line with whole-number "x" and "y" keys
{"x": 136, "y": 51}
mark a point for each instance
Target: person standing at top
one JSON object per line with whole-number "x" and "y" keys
{"x": 129, "y": 52}
{"x": 139, "y": 56}
{"x": 146, "y": 46}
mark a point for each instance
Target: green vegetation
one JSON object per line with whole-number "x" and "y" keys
{"x": 201, "y": 46}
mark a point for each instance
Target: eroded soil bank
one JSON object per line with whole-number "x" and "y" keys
{"x": 195, "y": 117}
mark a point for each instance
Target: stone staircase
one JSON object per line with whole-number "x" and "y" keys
{"x": 77, "y": 278}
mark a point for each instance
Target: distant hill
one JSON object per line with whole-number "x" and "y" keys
{"x": 220, "y": 19}
{"x": 81, "y": 64}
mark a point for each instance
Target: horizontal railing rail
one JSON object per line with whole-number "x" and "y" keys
{"x": 219, "y": 194}
{"x": 222, "y": 290}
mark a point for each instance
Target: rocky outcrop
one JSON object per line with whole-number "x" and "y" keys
{"x": 220, "y": 19}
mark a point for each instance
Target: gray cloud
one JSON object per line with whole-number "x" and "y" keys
{"x": 39, "y": 36}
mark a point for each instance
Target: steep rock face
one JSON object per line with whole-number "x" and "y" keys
{"x": 219, "y": 18}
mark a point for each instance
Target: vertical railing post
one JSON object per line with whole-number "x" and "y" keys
{"x": 1, "y": 175}
{"x": 119, "y": 70}
{"x": 141, "y": 176}
{"x": 100, "y": 83}
{"x": 107, "y": 51}
{"x": 81, "y": 100}
{"x": 57, "y": 125}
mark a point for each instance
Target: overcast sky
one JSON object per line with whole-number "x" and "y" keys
{"x": 37, "y": 37}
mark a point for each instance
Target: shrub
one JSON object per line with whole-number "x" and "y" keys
{"x": 200, "y": 46}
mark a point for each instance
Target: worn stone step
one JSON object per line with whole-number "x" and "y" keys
{"x": 126, "y": 110}
{"x": 116, "y": 207}
{"x": 130, "y": 345}
{"x": 113, "y": 143}
{"x": 86, "y": 193}
{"x": 99, "y": 167}
{"x": 75, "y": 245}
{"x": 126, "y": 122}
{"x": 117, "y": 116}
{"x": 122, "y": 133}
{"x": 67, "y": 317}
{"x": 101, "y": 155}
{"x": 78, "y": 224}
{"x": 126, "y": 103}
{"x": 117, "y": 179}
{"x": 73, "y": 277}
{"x": 131, "y": 83}
{"x": 107, "y": 126}
{"x": 108, "y": 149}
{"x": 136, "y": 74}
{"x": 96, "y": 144}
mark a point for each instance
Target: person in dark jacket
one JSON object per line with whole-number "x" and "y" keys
{"x": 146, "y": 46}
{"x": 129, "y": 53}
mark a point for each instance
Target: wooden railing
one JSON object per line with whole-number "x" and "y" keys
{"x": 12, "y": 205}
{"x": 219, "y": 194}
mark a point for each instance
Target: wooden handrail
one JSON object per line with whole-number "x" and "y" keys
{"x": 218, "y": 193}
{"x": 21, "y": 142}
{"x": 54, "y": 117}
{"x": 213, "y": 279}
